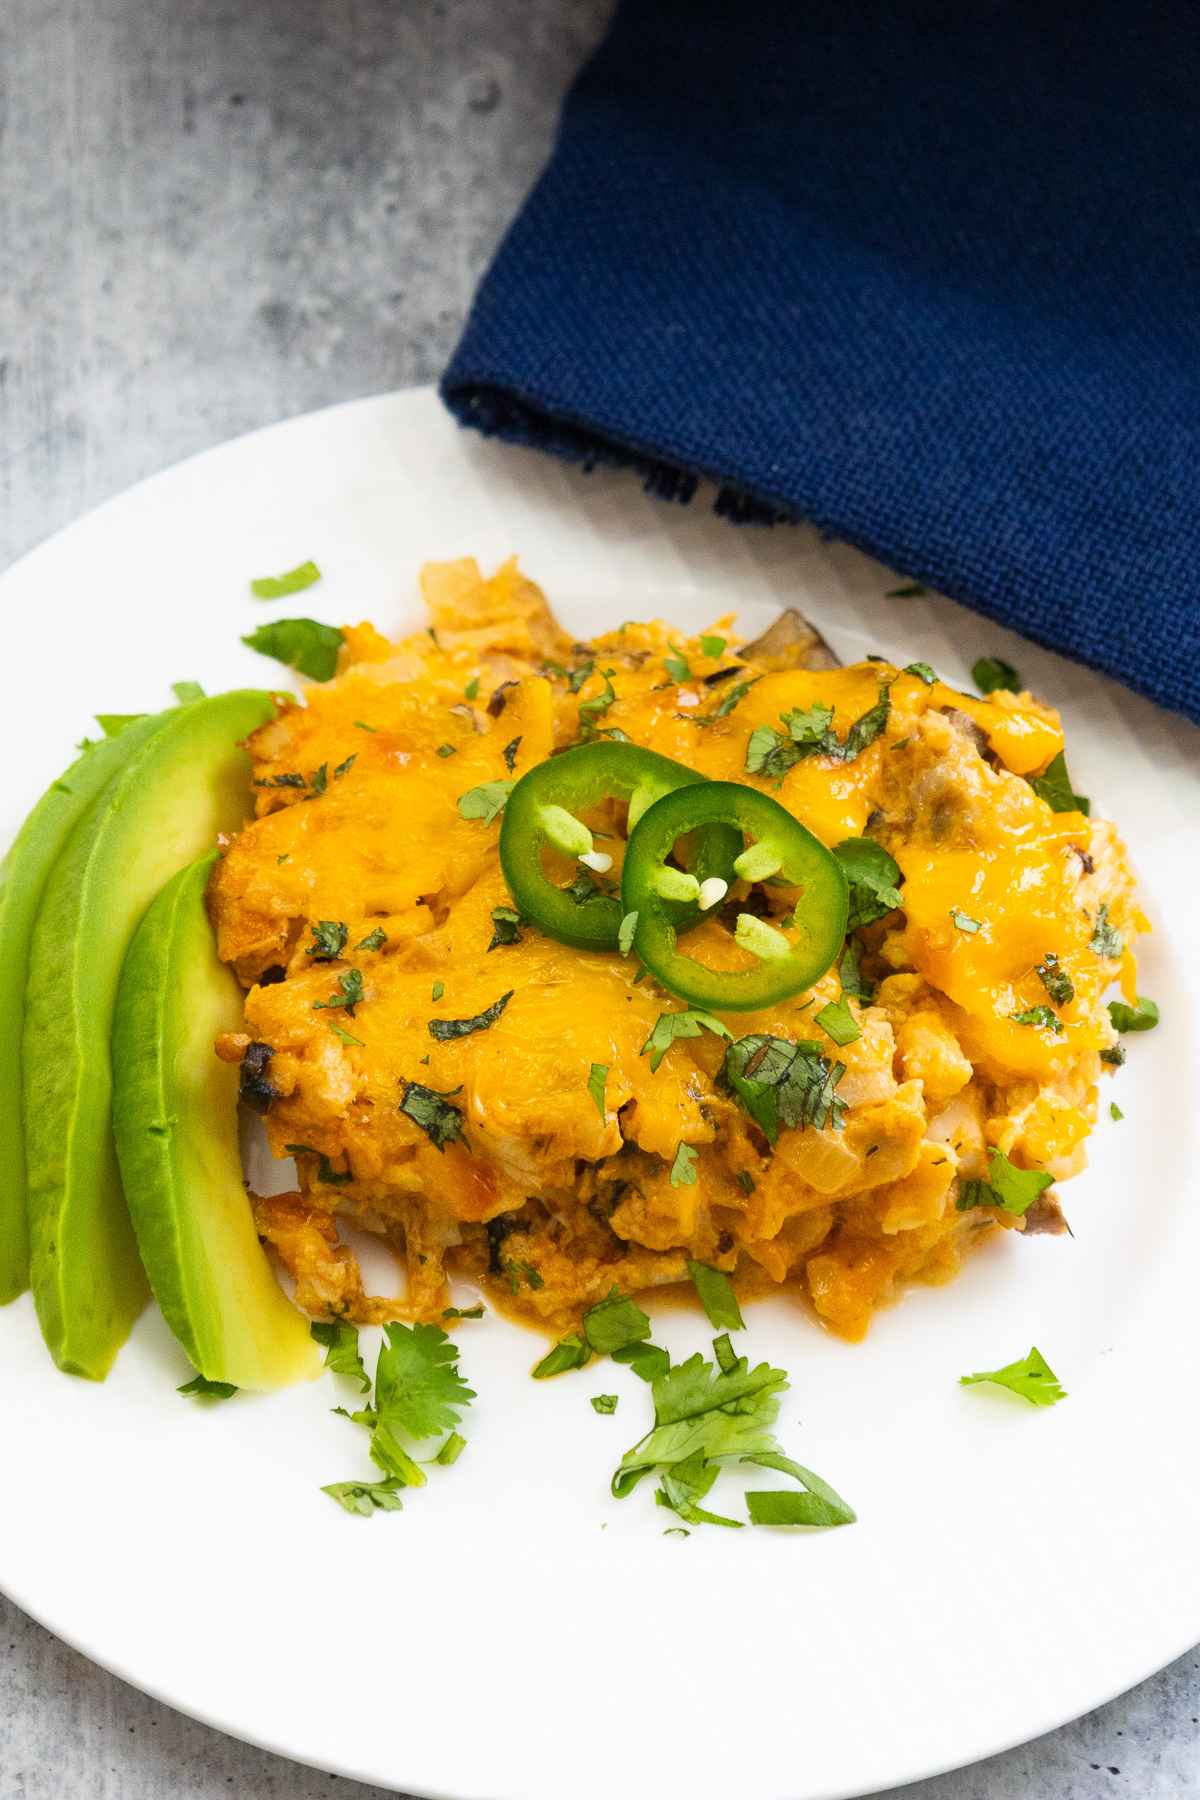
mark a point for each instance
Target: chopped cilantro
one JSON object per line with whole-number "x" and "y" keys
{"x": 819, "y": 1505}
{"x": 591, "y": 710}
{"x": 1044, "y": 1017}
{"x": 506, "y": 927}
{"x": 1011, "y": 1189}
{"x": 992, "y": 672}
{"x": 367, "y": 1497}
{"x": 683, "y": 1169}
{"x": 596, "y": 1082}
{"x": 922, "y": 671}
{"x": 183, "y": 692}
{"x": 510, "y": 754}
{"x": 874, "y": 879}
{"x": 865, "y": 730}
{"x": 329, "y": 940}
{"x": 451, "y": 1450}
{"x": 1142, "y": 1017}
{"x": 444, "y": 1029}
{"x": 340, "y": 1341}
{"x": 674, "y": 1025}
{"x": 350, "y": 985}
{"x": 294, "y": 581}
{"x": 431, "y": 1110}
{"x": 912, "y": 591}
{"x": 724, "y": 1352}
{"x": 1114, "y": 1055}
{"x": 1032, "y": 1378}
{"x": 1105, "y": 940}
{"x": 447, "y": 750}
{"x": 781, "y": 1083}
{"x": 374, "y": 940}
{"x": 200, "y": 1388}
{"x": 676, "y": 664}
{"x": 728, "y": 701}
{"x": 569, "y": 1353}
{"x": 578, "y": 675}
{"x": 302, "y": 644}
{"x": 717, "y": 1297}
{"x": 290, "y": 780}
{"x": 471, "y": 691}
{"x": 344, "y": 768}
{"x": 330, "y": 1176}
{"x": 345, "y": 1036}
{"x": 686, "y": 1483}
{"x": 526, "y": 1272}
{"x": 485, "y": 801}
{"x": 646, "y": 1360}
{"x": 1054, "y": 787}
{"x": 614, "y": 1322}
{"x": 463, "y": 1312}
{"x": 839, "y": 1023}
{"x": 963, "y": 921}
{"x": 437, "y": 990}
{"x": 604, "y": 1403}
{"x": 712, "y": 646}
{"x": 769, "y": 753}
{"x": 745, "y": 1181}
{"x": 418, "y": 1388}
{"x": 850, "y": 973}
{"x": 625, "y": 935}
{"x": 1055, "y": 980}
{"x": 361, "y": 725}
{"x": 318, "y": 781}
{"x": 1114, "y": 1112}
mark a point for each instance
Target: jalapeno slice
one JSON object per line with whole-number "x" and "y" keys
{"x": 780, "y": 846}
{"x": 543, "y": 811}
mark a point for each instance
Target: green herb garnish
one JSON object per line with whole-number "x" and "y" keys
{"x": 838, "y": 1022}
{"x": 784, "y": 1084}
{"x": 303, "y": 644}
{"x": 1106, "y": 940}
{"x": 1054, "y": 787}
{"x": 1032, "y": 1378}
{"x": 674, "y": 1025}
{"x": 200, "y": 1388}
{"x": 445, "y": 1029}
{"x": 874, "y": 879}
{"x": 1011, "y": 1189}
{"x": 340, "y": 1341}
{"x": 1044, "y": 1017}
{"x": 597, "y": 1080}
{"x": 506, "y": 927}
{"x": 717, "y": 1298}
{"x": 485, "y": 801}
{"x": 431, "y": 1110}
{"x": 683, "y": 1169}
{"x": 329, "y": 940}
{"x": 992, "y": 673}
{"x": 278, "y": 587}
{"x": 1055, "y": 980}
{"x": 1142, "y": 1017}
{"x": 604, "y": 1403}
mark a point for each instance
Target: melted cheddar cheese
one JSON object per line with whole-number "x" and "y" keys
{"x": 541, "y": 1196}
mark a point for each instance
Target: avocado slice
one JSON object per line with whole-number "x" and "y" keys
{"x": 185, "y": 782}
{"x": 175, "y": 1118}
{"x": 23, "y": 876}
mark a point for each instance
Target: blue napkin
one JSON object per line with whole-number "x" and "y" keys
{"x": 926, "y": 274}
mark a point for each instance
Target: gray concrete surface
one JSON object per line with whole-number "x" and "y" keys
{"x": 213, "y": 214}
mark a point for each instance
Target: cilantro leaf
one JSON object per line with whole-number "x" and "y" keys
{"x": 445, "y": 750}
{"x": 851, "y": 976}
{"x": 1114, "y": 1112}
{"x": 451, "y": 1450}
{"x": 717, "y": 1297}
{"x": 819, "y": 1505}
{"x": 874, "y": 879}
{"x": 809, "y": 729}
{"x": 685, "y": 1484}
{"x": 769, "y": 753}
{"x": 1142, "y": 1017}
{"x": 865, "y": 730}
{"x": 302, "y": 644}
{"x": 962, "y": 921}
{"x": 1044, "y": 1017}
{"x": 366, "y": 1497}
{"x": 626, "y": 933}
{"x": 200, "y": 1388}
{"x": 463, "y": 1312}
{"x": 694, "y": 1416}
{"x": 646, "y": 1360}
{"x": 839, "y": 1022}
{"x": 1031, "y": 1377}
{"x": 374, "y": 940}
{"x": 922, "y": 671}
{"x": 1053, "y": 786}
{"x": 604, "y": 1403}
{"x": 485, "y": 801}
{"x": 506, "y": 927}
{"x": 676, "y": 664}
{"x": 992, "y": 672}
{"x": 683, "y": 1169}
{"x": 329, "y": 940}
{"x": 731, "y": 698}
{"x": 1013, "y": 1190}
{"x": 591, "y": 710}
{"x": 345, "y": 1036}
{"x": 340, "y": 1341}
{"x": 418, "y": 1389}
{"x": 277, "y": 587}
{"x": 471, "y": 691}
{"x": 912, "y": 591}
{"x": 432, "y": 1111}
{"x": 674, "y": 1025}
{"x": 445, "y": 1029}
{"x": 614, "y": 1322}
{"x": 350, "y": 985}
{"x": 781, "y": 1083}
{"x": 1106, "y": 940}
{"x": 712, "y": 646}
{"x": 596, "y": 1083}
{"x": 570, "y": 1352}
{"x": 1055, "y": 980}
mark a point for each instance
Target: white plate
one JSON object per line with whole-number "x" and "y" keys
{"x": 516, "y": 1632}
